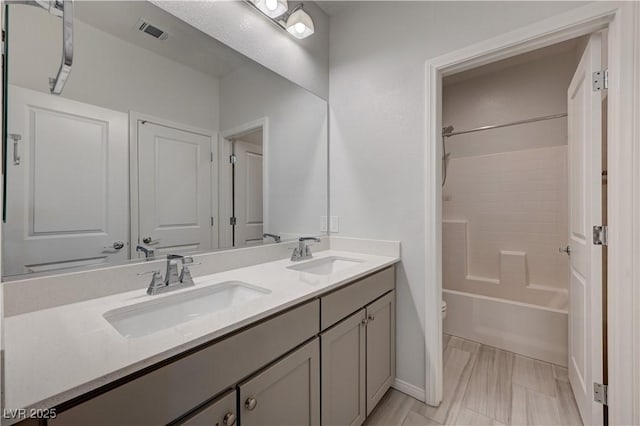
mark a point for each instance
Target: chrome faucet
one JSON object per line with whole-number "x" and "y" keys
{"x": 148, "y": 251}
{"x": 172, "y": 280}
{"x": 275, "y": 237}
{"x": 303, "y": 251}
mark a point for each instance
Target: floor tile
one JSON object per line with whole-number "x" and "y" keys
{"x": 533, "y": 408}
{"x": 560, "y": 373}
{"x": 489, "y": 389}
{"x": 534, "y": 374}
{"x": 471, "y": 418}
{"x": 567, "y": 407}
{"x": 414, "y": 419}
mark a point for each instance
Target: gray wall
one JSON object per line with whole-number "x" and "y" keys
{"x": 108, "y": 71}
{"x": 377, "y": 79}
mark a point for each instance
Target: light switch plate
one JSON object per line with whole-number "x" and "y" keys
{"x": 334, "y": 224}
{"x": 323, "y": 224}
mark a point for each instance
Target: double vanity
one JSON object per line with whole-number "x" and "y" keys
{"x": 300, "y": 343}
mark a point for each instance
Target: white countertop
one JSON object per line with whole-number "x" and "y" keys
{"x": 56, "y": 354}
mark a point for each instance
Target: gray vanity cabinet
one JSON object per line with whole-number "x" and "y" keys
{"x": 286, "y": 393}
{"x": 381, "y": 354}
{"x": 220, "y": 412}
{"x": 358, "y": 353}
{"x": 344, "y": 372}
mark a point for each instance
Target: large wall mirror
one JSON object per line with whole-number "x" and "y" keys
{"x": 163, "y": 140}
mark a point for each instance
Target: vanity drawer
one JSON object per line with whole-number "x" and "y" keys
{"x": 345, "y": 301}
{"x": 173, "y": 390}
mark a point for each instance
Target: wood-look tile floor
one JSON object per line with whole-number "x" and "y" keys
{"x": 486, "y": 386}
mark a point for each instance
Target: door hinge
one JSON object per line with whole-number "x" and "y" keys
{"x": 232, "y": 221}
{"x": 600, "y": 80}
{"x": 211, "y": 157}
{"x": 600, "y": 393}
{"x": 600, "y": 235}
{"x": 233, "y": 159}
{"x": 212, "y": 220}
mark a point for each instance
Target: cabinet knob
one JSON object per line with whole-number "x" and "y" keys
{"x": 371, "y": 318}
{"x": 229, "y": 419}
{"x": 250, "y": 403}
{"x": 364, "y": 321}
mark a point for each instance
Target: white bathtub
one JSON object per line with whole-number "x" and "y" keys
{"x": 530, "y": 330}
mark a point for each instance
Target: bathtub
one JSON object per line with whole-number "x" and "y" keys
{"x": 529, "y": 330}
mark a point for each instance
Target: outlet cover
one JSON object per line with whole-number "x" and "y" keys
{"x": 323, "y": 224}
{"x": 334, "y": 224}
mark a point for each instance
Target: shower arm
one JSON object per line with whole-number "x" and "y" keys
{"x": 62, "y": 9}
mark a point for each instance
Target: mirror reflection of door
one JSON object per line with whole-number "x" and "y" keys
{"x": 174, "y": 196}
{"x": 247, "y": 189}
{"x": 71, "y": 209}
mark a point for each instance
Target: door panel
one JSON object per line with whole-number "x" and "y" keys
{"x": 344, "y": 372}
{"x": 381, "y": 362}
{"x": 248, "y": 193}
{"x": 174, "y": 188}
{"x": 585, "y": 211}
{"x": 67, "y": 196}
{"x": 286, "y": 393}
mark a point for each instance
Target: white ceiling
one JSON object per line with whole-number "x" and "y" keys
{"x": 570, "y": 47}
{"x": 333, "y": 7}
{"x": 185, "y": 44}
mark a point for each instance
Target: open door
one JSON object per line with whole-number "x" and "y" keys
{"x": 585, "y": 212}
{"x": 247, "y": 204}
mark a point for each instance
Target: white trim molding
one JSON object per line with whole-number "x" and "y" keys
{"x": 408, "y": 389}
{"x": 623, "y": 21}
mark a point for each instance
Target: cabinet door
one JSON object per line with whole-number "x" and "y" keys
{"x": 381, "y": 348}
{"x": 343, "y": 372}
{"x": 285, "y": 394}
{"x": 221, "y": 412}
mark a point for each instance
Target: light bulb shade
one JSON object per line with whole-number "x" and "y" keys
{"x": 300, "y": 24}
{"x": 272, "y": 8}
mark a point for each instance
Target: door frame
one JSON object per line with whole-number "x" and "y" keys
{"x": 623, "y": 341}
{"x": 224, "y": 169}
{"x": 134, "y": 218}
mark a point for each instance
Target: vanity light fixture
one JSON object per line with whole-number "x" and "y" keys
{"x": 295, "y": 21}
{"x": 272, "y": 8}
{"x": 299, "y": 24}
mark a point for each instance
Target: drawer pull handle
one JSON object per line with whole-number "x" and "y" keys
{"x": 229, "y": 419}
{"x": 250, "y": 404}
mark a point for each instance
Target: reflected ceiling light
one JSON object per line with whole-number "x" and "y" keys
{"x": 272, "y": 8}
{"x": 296, "y": 21}
{"x": 299, "y": 24}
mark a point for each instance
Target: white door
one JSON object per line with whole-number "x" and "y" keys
{"x": 247, "y": 194}
{"x": 67, "y": 202}
{"x": 174, "y": 189}
{"x": 585, "y": 211}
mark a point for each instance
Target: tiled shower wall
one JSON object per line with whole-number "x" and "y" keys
{"x": 505, "y": 216}
{"x": 505, "y": 199}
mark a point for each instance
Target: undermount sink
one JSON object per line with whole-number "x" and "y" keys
{"x": 149, "y": 317}
{"x": 326, "y": 265}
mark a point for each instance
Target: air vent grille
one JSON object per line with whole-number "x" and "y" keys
{"x": 152, "y": 30}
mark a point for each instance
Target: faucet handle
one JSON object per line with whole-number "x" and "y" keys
{"x": 156, "y": 281}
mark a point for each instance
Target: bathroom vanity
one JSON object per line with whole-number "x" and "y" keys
{"x": 323, "y": 354}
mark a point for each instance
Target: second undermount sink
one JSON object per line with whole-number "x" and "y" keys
{"x": 154, "y": 315}
{"x": 326, "y": 265}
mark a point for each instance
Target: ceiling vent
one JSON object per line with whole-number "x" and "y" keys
{"x": 152, "y": 30}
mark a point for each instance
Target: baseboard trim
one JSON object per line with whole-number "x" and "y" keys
{"x": 409, "y": 389}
